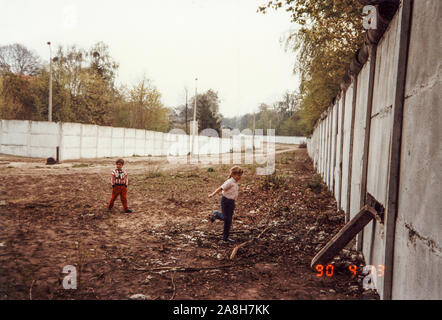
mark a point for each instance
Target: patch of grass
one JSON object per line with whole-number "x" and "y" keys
{"x": 316, "y": 183}
{"x": 81, "y": 165}
{"x": 285, "y": 160}
{"x": 155, "y": 174}
{"x": 210, "y": 169}
{"x": 274, "y": 181}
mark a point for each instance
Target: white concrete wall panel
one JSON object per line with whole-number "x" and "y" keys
{"x": 15, "y": 136}
{"x": 333, "y": 147}
{"x": 203, "y": 142}
{"x": 118, "y": 142}
{"x": 71, "y": 140}
{"x": 167, "y": 142}
{"x": 150, "y": 143}
{"x": 89, "y": 141}
{"x": 327, "y": 150}
{"x": 104, "y": 148}
{"x": 359, "y": 138}
{"x": 381, "y": 121}
{"x": 373, "y": 249}
{"x": 380, "y": 140}
{"x": 290, "y": 139}
{"x": 418, "y": 242}
{"x": 184, "y": 144}
{"x": 158, "y": 143}
{"x": 346, "y": 145}
{"x": 129, "y": 142}
{"x": 321, "y": 148}
{"x": 338, "y": 150}
{"x": 140, "y": 142}
{"x": 226, "y": 145}
{"x": 324, "y": 166}
{"x": 43, "y": 139}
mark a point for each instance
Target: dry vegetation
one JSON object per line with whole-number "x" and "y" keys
{"x": 166, "y": 248}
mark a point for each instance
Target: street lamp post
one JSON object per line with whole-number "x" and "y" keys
{"x": 50, "y": 83}
{"x": 194, "y": 118}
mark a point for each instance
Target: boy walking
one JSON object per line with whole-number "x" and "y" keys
{"x": 119, "y": 182}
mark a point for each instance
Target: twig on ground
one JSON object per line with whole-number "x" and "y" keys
{"x": 173, "y": 285}
{"x": 30, "y": 290}
{"x": 184, "y": 269}
{"x": 235, "y": 250}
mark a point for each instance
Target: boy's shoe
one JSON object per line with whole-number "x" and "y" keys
{"x": 109, "y": 209}
{"x": 229, "y": 240}
{"x": 212, "y": 218}
{"x": 128, "y": 211}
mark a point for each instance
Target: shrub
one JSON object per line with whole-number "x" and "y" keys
{"x": 316, "y": 183}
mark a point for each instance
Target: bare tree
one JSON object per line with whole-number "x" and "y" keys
{"x": 16, "y": 58}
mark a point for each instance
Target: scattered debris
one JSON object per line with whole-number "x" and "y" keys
{"x": 140, "y": 296}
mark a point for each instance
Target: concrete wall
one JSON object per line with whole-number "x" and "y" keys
{"x": 290, "y": 140}
{"x": 416, "y": 270}
{"x": 75, "y": 141}
{"x": 417, "y": 251}
{"x": 358, "y": 138}
{"x": 347, "y": 126}
{"x": 104, "y": 142}
{"x": 333, "y": 141}
{"x": 338, "y": 163}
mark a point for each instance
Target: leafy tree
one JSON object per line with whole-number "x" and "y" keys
{"x": 83, "y": 90}
{"x": 329, "y": 34}
{"x": 17, "y": 96}
{"x": 146, "y": 109}
{"x": 207, "y": 110}
{"x": 88, "y": 79}
{"x": 282, "y": 115}
{"x": 179, "y": 117}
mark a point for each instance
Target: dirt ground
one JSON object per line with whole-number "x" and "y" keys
{"x": 54, "y": 216}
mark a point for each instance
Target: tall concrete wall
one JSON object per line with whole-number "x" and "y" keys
{"x": 418, "y": 244}
{"x": 290, "y": 140}
{"x": 333, "y": 147}
{"x": 364, "y": 160}
{"x": 358, "y": 139}
{"x": 338, "y": 163}
{"x": 75, "y": 141}
{"x": 346, "y": 156}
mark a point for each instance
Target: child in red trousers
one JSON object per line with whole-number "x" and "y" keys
{"x": 119, "y": 181}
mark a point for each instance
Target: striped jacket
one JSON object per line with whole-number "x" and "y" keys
{"x": 119, "y": 177}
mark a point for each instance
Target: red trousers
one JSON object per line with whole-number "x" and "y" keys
{"x": 119, "y": 191}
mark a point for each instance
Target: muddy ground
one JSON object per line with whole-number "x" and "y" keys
{"x": 55, "y": 216}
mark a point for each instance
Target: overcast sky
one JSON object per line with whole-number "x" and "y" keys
{"x": 226, "y": 44}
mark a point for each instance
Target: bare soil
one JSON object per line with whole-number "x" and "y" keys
{"x": 54, "y": 216}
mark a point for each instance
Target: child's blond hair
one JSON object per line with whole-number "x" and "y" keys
{"x": 236, "y": 170}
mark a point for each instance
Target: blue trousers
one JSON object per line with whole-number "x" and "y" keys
{"x": 227, "y": 207}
